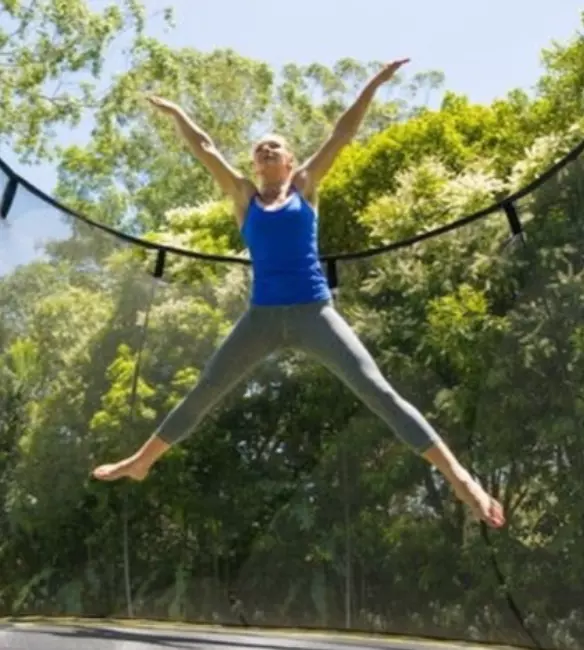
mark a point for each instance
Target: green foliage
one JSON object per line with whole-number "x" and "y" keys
{"x": 52, "y": 56}
{"x": 292, "y": 494}
{"x": 233, "y": 98}
{"x": 152, "y": 168}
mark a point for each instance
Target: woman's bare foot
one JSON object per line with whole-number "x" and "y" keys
{"x": 127, "y": 468}
{"x": 482, "y": 504}
{"x": 135, "y": 466}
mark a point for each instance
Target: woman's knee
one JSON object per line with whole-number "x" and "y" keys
{"x": 372, "y": 387}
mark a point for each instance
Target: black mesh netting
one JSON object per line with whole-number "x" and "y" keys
{"x": 293, "y": 505}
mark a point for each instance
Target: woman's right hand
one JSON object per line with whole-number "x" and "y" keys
{"x": 164, "y": 105}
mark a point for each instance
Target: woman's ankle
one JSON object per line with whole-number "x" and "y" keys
{"x": 151, "y": 451}
{"x": 442, "y": 458}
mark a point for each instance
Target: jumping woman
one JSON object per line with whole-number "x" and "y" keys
{"x": 291, "y": 304}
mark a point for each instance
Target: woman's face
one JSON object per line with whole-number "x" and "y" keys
{"x": 272, "y": 158}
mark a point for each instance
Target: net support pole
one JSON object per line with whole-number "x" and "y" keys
{"x": 8, "y": 196}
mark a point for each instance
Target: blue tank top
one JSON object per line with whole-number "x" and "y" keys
{"x": 283, "y": 246}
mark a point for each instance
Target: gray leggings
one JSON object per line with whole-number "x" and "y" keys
{"x": 316, "y": 329}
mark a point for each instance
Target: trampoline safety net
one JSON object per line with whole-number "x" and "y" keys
{"x": 293, "y": 505}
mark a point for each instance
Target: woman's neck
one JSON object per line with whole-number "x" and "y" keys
{"x": 273, "y": 189}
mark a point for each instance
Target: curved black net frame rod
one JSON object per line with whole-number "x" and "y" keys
{"x": 481, "y": 214}
{"x": 459, "y": 223}
{"x": 16, "y": 180}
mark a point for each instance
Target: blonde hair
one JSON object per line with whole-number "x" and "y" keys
{"x": 274, "y": 137}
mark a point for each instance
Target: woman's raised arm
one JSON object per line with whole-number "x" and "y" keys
{"x": 231, "y": 181}
{"x": 309, "y": 174}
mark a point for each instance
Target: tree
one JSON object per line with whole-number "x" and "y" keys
{"x": 52, "y": 56}
{"x": 233, "y": 98}
{"x": 292, "y": 499}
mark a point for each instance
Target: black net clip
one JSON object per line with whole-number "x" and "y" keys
{"x": 8, "y": 196}
{"x": 517, "y": 232}
{"x": 160, "y": 263}
{"x": 332, "y": 276}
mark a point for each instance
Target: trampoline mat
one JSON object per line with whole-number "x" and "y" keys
{"x": 27, "y": 636}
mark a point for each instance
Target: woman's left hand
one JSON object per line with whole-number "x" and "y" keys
{"x": 389, "y": 70}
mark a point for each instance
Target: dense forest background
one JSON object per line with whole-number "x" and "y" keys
{"x": 292, "y": 505}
